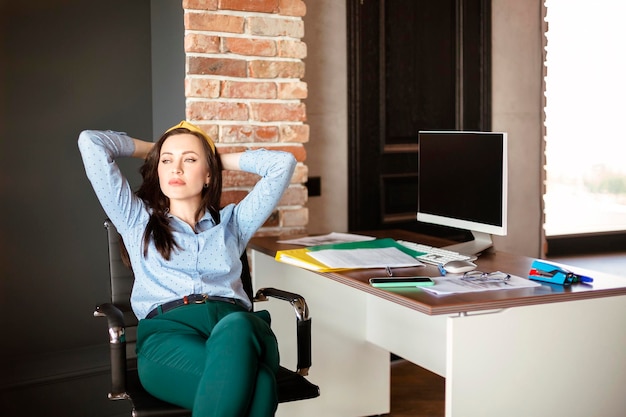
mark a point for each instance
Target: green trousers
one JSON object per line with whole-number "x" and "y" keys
{"x": 215, "y": 358}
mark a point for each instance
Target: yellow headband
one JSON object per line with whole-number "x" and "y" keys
{"x": 196, "y": 129}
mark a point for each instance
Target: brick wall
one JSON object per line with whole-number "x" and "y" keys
{"x": 244, "y": 65}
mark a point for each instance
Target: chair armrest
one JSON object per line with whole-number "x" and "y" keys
{"x": 117, "y": 347}
{"x": 115, "y": 319}
{"x": 303, "y": 322}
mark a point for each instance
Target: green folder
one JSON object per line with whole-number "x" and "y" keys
{"x": 368, "y": 244}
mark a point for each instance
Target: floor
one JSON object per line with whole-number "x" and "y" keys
{"x": 416, "y": 392}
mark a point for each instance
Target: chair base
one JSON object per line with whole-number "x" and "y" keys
{"x": 291, "y": 387}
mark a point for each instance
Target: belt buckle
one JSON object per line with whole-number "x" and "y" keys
{"x": 203, "y": 299}
{"x": 194, "y": 299}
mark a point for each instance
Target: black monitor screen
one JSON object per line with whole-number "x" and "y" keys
{"x": 463, "y": 180}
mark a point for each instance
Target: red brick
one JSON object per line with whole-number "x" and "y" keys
{"x": 232, "y": 196}
{"x": 210, "y": 129}
{"x": 292, "y": 7}
{"x": 299, "y": 152}
{"x": 244, "y": 89}
{"x": 202, "y": 87}
{"x": 214, "y": 22}
{"x": 262, "y": 6}
{"x": 232, "y": 179}
{"x": 295, "y": 217}
{"x": 200, "y": 4}
{"x": 216, "y": 110}
{"x": 294, "y": 133}
{"x": 249, "y": 134}
{"x": 293, "y": 90}
{"x": 295, "y": 195}
{"x": 274, "y": 26}
{"x": 272, "y": 112}
{"x": 300, "y": 175}
{"x": 250, "y": 47}
{"x": 276, "y": 69}
{"x": 196, "y": 42}
{"x": 291, "y": 49}
{"x": 216, "y": 66}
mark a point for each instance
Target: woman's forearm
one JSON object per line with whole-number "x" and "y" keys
{"x": 142, "y": 148}
{"x": 230, "y": 161}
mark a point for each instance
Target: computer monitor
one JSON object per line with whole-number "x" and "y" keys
{"x": 462, "y": 183}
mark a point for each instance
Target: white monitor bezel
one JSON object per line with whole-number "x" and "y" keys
{"x": 474, "y": 227}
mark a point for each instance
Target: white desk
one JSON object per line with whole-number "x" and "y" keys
{"x": 548, "y": 351}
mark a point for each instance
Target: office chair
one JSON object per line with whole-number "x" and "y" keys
{"x": 122, "y": 323}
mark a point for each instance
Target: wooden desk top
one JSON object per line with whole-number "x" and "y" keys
{"x": 604, "y": 285}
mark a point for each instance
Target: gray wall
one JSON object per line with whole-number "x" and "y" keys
{"x": 168, "y": 64}
{"x": 67, "y": 65}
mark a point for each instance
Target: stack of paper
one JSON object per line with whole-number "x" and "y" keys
{"x": 377, "y": 253}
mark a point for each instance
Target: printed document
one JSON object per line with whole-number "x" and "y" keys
{"x": 454, "y": 284}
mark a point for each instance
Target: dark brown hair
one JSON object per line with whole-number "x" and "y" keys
{"x": 158, "y": 228}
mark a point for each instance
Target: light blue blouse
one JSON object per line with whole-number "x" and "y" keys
{"x": 208, "y": 259}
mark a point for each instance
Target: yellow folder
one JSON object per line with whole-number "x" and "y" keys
{"x": 300, "y": 258}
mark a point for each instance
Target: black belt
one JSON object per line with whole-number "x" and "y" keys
{"x": 192, "y": 299}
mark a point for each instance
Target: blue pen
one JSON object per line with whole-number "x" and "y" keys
{"x": 581, "y": 278}
{"x": 442, "y": 270}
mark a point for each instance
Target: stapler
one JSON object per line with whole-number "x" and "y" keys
{"x": 547, "y": 272}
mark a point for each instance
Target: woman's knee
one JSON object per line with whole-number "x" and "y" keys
{"x": 242, "y": 322}
{"x": 237, "y": 328}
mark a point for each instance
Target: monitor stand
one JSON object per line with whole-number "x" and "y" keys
{"x": 482, "y": 241}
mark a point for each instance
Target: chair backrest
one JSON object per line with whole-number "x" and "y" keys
{"x": 121, "y": 285}
{"x": 122, "y": 279}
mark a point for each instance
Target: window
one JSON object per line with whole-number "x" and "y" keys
{"x": 585, "y": 117}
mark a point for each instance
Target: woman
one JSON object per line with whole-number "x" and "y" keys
{"x": 198, "y": 344}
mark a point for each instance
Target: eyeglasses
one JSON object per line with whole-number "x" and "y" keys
{"x": 486, "y": 276}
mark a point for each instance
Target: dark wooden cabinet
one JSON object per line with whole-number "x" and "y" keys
{"x": 413, "y": 65}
